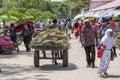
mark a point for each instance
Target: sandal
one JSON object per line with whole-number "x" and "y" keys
{"x": 105, "y": 75}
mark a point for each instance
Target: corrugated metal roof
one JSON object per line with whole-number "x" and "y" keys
{"x": 113, "y": 4}
{"x": 102, "y": 0}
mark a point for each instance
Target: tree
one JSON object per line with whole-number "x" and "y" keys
{"x": 1, "y": 4}
{"x": 36, "y": 4}
{"x": 25, "y": 9}
{"x": 41, "y": 9}
{"x": 10, "y": 4}
{"x": 77, "y": 5}
{"x": 59, "y": 8}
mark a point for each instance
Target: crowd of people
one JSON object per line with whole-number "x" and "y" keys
{"x": 26, "y": 30}
{"x": 91, "y": 34}
{"x": 87, "y": 31}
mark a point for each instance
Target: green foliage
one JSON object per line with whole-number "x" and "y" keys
{"x": 10, "y": 4}
{"x": 15, "y": 13}
{"x": 0, "y": 3}
{"x": 59, "y": 8}
{"x": 36, "y": 4}
{"x": 77, "y": 5}
{"x": 39, "y": 15}
{"x": 41, "y": 10}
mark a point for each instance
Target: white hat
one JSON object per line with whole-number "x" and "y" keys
{"x": 86, "y": 20}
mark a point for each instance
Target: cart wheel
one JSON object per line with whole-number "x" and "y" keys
{"x": 36, "y": 58}
{"x": 65, "y": 58}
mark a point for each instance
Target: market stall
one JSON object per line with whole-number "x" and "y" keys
{"x": 79, "y": 16}
{"x": 106, "y": 15}
{"x": 116, "y": 16}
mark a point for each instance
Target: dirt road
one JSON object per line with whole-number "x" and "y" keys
{"x": 20, "y": 67}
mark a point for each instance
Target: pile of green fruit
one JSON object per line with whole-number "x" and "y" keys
{"x": 50, "y": 37}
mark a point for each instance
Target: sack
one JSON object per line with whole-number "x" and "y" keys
{"x": 99, "y": 50}
{"x": 99, "y": 53}
{"x": 112, "y": 55}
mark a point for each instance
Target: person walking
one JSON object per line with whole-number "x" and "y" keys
{"x": 13, "y": 37}
{"x": 27, "y": 35}
{"x": 62, "y": 26}
{"x": 69, "y": 28}
{"x": 88, "y": 35}
{"x": 80, "y": 29}
{"x": 109, "y": 43}
{"x": 103, "y": 29}
{"x": 65, "y": 27}
{"x": 13, "y": 33}
{"x": 76, "y": 28}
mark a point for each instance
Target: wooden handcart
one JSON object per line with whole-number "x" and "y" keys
{"x": 57, "y": 52}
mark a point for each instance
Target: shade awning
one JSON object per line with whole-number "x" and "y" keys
{"x": 116, "y": 16}
{"x": 89, "y": 14}
{"x": 78, "y": 16}
{"x": 113, "y": 4}
{"x": 98, "y": 13}
{"x": 107, "y": 14}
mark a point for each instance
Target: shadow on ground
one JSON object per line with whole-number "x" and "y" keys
{"x": 22, "y": 52}
{"x": 59, "y": 67}
{"x": 7, "y": 56}
{"x": 17, "y": 72}
{"x": 28, "y": 78}
{"x": 114, "y": 76}
{"x": 14, "y": 69}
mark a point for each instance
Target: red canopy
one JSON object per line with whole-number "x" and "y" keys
{"x": 113, "y": 4}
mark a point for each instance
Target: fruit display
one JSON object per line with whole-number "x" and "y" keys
{"x": 50, "y": 37}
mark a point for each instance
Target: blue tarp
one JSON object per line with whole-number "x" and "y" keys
{"x": 107, "y": 15}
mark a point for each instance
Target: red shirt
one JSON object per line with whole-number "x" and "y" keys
{"x": 113, "y": 24}
{"x": 65, "y": 25}
{"x": 80, "y": 26}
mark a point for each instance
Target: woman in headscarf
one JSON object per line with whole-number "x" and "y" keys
{"x": 109, "y": 43}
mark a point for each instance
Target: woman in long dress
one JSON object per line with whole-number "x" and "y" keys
{"x": 109, "y": 42}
